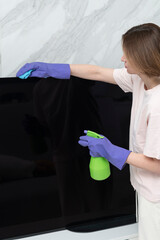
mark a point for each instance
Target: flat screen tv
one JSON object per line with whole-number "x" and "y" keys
{"x": 45, "y": 183}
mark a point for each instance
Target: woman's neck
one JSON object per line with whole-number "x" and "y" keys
{"x": 149, "y": 82}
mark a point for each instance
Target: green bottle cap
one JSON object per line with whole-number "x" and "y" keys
{"x": 99, "y": 166}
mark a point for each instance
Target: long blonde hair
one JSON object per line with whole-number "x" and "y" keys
{"x": 142, "y": 47}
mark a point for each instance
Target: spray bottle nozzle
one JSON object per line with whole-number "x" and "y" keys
{"x": 94, "y": 134}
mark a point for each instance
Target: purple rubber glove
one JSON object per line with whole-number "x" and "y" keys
{"x": 102, "y": 147}
{"x": 44, "y": 70}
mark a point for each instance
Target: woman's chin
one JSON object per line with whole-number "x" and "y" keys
{"x": 129, "y": 71}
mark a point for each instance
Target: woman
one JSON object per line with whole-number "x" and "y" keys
{"x": 141, "y": 76}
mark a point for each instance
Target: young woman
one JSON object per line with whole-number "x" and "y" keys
{"x": 141, "y": 76}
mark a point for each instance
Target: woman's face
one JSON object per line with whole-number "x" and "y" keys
{"x": 128, "y": 65}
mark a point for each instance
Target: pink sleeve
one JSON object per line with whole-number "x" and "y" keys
{"x": 123, "y": 79}
{"x": 152, "y": 144}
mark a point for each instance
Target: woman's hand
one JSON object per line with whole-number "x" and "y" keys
{"x": 44, "y": 70}
{"x": 102, "y": 147}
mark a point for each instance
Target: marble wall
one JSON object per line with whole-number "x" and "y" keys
{"x": 68, "y": 31}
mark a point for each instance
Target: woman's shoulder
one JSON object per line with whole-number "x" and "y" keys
{"x": 154, "y": 102}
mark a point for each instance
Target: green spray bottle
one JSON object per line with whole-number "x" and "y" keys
{"x": 99, "y": 166}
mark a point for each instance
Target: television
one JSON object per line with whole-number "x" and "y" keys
{"x": 45, "y": 182}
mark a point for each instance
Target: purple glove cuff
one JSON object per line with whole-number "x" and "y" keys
{"x": 62, "y": 71}
{"x": 67, "y": 71}
{"x": 120, "y": 159}
{"x": 117, "y": 156}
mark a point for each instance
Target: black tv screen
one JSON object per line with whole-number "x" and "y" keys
{"x": 45, "y": 182}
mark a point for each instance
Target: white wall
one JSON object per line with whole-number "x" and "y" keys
{"x": 68, "y": 31}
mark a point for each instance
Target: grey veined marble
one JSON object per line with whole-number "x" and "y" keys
{"x": 68, "y": 31}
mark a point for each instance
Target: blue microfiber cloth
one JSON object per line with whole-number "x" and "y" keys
{"x": 26, "y": 74}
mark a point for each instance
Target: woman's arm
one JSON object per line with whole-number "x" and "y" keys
{"x": 141, "y": 161}
{"x": 93, "y": 72}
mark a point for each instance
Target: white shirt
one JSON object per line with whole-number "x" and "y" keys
{"x": 144, "y": 130}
